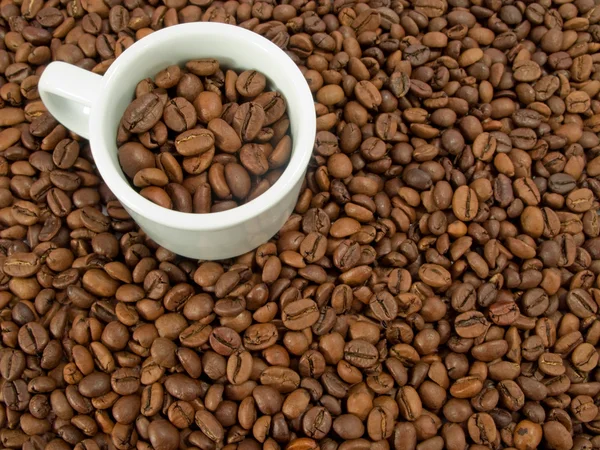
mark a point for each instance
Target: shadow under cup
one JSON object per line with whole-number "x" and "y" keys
{"x": 198, "y": 234}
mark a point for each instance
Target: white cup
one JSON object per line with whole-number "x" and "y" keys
{"x": 92, "y": 106}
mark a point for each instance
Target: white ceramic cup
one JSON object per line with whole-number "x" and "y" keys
{"x": 92, "y": 106}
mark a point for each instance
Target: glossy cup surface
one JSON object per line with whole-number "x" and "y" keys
{"x": 201, "y": 236}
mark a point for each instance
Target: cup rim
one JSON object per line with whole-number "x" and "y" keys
{"x": 302, "y": 143}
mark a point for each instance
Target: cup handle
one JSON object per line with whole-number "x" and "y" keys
{"x": 69, "y": 92}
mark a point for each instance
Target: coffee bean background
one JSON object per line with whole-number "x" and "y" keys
{"x": 436, "y": 287}
{"x": 176, "y": 148}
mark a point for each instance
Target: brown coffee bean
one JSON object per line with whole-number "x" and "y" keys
{"x": 484, "y": 147}
{"x": 384, "y": 306}
{"x": 250, "y": 83}
{"x": 150, "y": 177}
{"x": 330, "y": 95}
{"x": 225, "y": 136}
{"x": 482, "y": 428}
{"x": 557, "y": 436}
{"x": 253, "y": 158}
{"x": 194, "y": 142}
{"x": 65, "y": 154}
{"x": 203, "y": 67}
{"x": 464, "y": 203}
{"x": 300, "y": 314}
{"x": 143, "y": 113}
{"x": 157, "y": 195}
{"x": 12, "y": 365}
{"x": 527, "y": 434}
{"x": 317, "y": 422}
{"x": 134, "y": 157}
{"x": 360, "y": 353}
{"x": 239, "y": 367}
{"x": 581, "y": 304}
{"x": 238, "y": 180}
{"x": 162, "y": 435}
{"x": 409, "y": 403}
{"x": 281, "y": 154}
{"x": 208, "y": 106}
{"x": 22, "y": 265}
{"x": 471, "y": 324}
{"x": 168, "y": 77}
{"x": 434, "y": 275}
{"x": 283, "y": 379}
{"x": 248, "y": 121}
{"x": 209, "y": 425}
{"x": 179, "y": 115}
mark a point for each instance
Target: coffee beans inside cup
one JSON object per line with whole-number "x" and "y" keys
{"x": 200, "y": 139}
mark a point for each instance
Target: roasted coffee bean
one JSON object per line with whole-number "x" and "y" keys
{"x": 12, "y": 365}
{"x": 143, "y": 113}
{"x": 300, "y": 314}
{"x": 209, "y": 425}
{"x": 194, "y": 142}
{"x": 316, "y": 423}
{"x": 162, "y": 435}
{"x": 360, "y": 353}
{"x": 250, "y": 83}
{"x": 248, "y": 121}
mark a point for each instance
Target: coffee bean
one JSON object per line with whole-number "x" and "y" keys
{"x": 250, "y": 83}
{"x": 22, "y": 265}
{"x": 203, "y": 67}
{"x": 65, "y": 153}
{"x": 95, "y": 385}
{"x": 384, "y": 306}
{"x": 484, "y": 146}
{"x": 300, "y": 314}
{"x": 194, "y": 142}
{"x": 163, "y": 435}
{"x": 527, "y": 433}
{"x": 179, "y": 115}
{"x": 581, "y": 304}
{"x": 15, "y": 394}
{"x": 434, "y": 275}
{"x": 143, "y": 113}
{"x": 225, "y": 136}
{"x": 464, "y": 203}
{"x": 470, "y": 324}
{"x": 12, "y": 365}
{"x": 209, "y": 425}
{"x": 316, "y": 423}
{"x": 284, "y": 379}
{"x": 380, "y": 423}
{"x": 239, "y": 367}
{"x": 134, "y": 157}
{"x": 557, "y": 436}
{"x": 360, "y": 353}
{"x": 482, "y": 428}
{"x": 417, "y": 54}
{"x": 248, "y": 121}
{"x": 409, "y": 403}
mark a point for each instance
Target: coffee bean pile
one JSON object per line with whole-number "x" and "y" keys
{"x": 185, "y": 124}
{"x": 435, "y": 288}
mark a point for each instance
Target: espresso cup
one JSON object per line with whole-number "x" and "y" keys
{"x": 92, "y": 106}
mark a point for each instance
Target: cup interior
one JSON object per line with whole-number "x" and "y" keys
{"x": 234, "y": 48}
